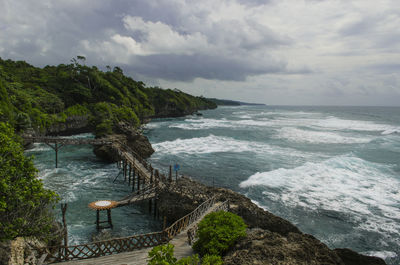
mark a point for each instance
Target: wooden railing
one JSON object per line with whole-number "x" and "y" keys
{"x": 103, "y": 248}
{"x": 64, "y": 140}
{"x": 191, "y": 233}
{"x": 118, "y": 245}
{"x": 190, "y": 218}
{"x": 145, "y": 193}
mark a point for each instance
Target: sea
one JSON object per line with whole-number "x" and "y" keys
{"x": 334, "y": 172}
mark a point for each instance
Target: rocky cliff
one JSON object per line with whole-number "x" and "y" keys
{"x": 270, "y": 239}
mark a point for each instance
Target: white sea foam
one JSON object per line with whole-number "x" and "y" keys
{"x": 38, "y": 147}
{"x": 214, "y": 144}
{"x": 355, "y": 125}
{"x": 202, "y": 124}
{"x": 299, "y": 135}
{"x": 343, "y": 184}
{"x": 381, "y": 254}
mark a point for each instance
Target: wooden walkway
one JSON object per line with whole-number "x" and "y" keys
{"x": 140, "y": 257}
{"x": 139, "y": 196}
{"x": 66, "y": 141}
{"x": 133, "y": 249}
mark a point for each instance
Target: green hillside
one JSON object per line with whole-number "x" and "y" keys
{"x": 39, "y": 98}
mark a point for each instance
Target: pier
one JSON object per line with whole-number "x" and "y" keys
{"x": 148, "y": 182}
{"x": 57, "y": 142}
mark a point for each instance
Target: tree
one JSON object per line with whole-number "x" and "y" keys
{"x": 25, "y": 205}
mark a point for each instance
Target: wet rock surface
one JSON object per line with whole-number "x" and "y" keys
{"x": 265, "y": 247}
{"x": 270, "y": 239}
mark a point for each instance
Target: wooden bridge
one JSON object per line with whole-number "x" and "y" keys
{"x": 148, "y": 182}
{"x": 137, "y": 246}
{"x": 57, "y": 142}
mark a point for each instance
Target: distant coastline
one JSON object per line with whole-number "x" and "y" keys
{"x": 228, "y": 102}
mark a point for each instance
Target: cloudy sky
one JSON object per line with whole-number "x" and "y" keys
{"x": 298, "y": 52}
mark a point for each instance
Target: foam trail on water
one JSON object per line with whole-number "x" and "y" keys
{"x": 215, "y": 144}
{"x": 342, "y": 184}
{"x": 318, "y": 137}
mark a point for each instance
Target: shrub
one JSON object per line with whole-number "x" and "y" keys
{"x": 211, "y": 260}
{"x": 191, "y": 260}
{"x": 162, "y": 255}
{"x": 217, "y": 232}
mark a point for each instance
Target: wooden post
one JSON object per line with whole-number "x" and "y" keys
{"x": 150, "y": 202}
{"x": 125, "y": 169}
{"x": 164, "y": 223}
{"x": 155, "y": 207}
{"x": 129, "y": 174}
{"x": 151, "y": 175}
{"x": 138, "y": 181}
{"x": 133, "y": 179}
{"x": 98, "y": 219}
{"x": 170, "y": 174}
{"x": 63, "y": 210}
{"x": 56, "y": 149}
{"x": 109, "y": 218}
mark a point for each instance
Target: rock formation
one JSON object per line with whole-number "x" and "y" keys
{"x": 270, "y": 239}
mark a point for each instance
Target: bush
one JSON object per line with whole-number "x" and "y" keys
{"x": 211, "y": 260}
{"x": 163, "y": 254}
{"x": 217, "y": 232}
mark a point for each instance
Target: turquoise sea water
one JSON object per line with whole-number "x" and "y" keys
{"x": 332, "y": 171}
{"x": 82, "y": 178}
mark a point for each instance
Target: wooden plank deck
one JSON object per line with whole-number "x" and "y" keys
{"x": 140, "y": 257}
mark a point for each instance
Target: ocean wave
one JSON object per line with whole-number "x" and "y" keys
{"x": 343, "y": 184}
{"x": 355, "y": 125}
{"x": 330, "y": 123}
{"x": 215, "y": 144}
{"x": 202, "y": 124}
{"x": 38, "y": 147}
{"x": 318, "y": 137}
{"x": 381, "y": 254}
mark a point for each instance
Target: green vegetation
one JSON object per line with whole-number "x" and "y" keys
{"x": 164, "y": 255}
{"x": 217, "y": 232}
{"x": 38, "y": 98}
{"x": 25, "y": 206}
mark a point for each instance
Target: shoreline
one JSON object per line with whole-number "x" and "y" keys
{"x": 284, "y": 227}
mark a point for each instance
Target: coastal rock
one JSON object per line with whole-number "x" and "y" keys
{"x": 128, "y": 136}
{"x": 265, "y": 247}
{"x": 270, "y": 239}
{"x": 351, "y": 257}
{"x": 21, "y": 251}
{"x": 255, "y": 216}
{"x": 174, "y": 205}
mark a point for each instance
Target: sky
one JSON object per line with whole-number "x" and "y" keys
{"x": 277, "y": 52}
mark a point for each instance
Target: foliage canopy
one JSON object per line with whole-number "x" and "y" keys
{"x": 38, "y": 98}
{"x": 25, "y": 206}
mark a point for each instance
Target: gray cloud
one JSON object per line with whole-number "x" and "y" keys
{"x": 187, "y": 68}
{"x": 301, "y": 47}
